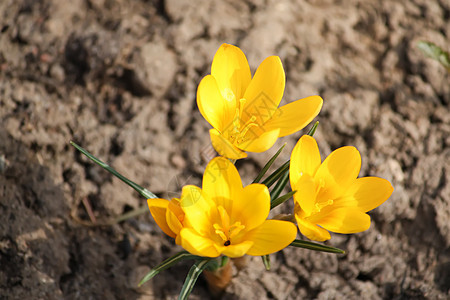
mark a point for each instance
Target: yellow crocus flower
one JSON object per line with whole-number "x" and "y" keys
{"x": 223, "y": 217}
{"x": 244, "y": 110}
{"x": 329, "y": 195}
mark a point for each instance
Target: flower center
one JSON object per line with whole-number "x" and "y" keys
{"x": 321, "y": 203}
{"x": 224, "y": 229}
{"x": 237, "y": 131}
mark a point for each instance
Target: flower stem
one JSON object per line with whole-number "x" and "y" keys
{"x": 219, "y": 279}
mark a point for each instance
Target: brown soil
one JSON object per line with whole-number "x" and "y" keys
{"x": 120, "y": 77}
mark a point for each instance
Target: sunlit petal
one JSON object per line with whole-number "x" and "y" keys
{"x": 294, "y": 116}
{"x": 221, "y": 181}
{"x": 231, "y": 70}
{"x": 345, "y": 220}
{"x": 260, "y": 143}
{"x": 197, "y": 244}
{"x": 305, "y": 159}
{"x": 224, "y": 147}
{"x": 271, "y": 236}
{"x": 213, "y": 107}
{"x": 338, "y": 171}
{"x": 175, "y": 216}
{"x": 366, "y": 193}
{"x": 265, "y": 91}
{"x": 305, "y": 194}
{"x": 312, "y": 231}
{"x": 158, "y": 208}
{"x": 197, "y": 208}
{"x": 252, "y": 206}
{"x": 237, "y": 250}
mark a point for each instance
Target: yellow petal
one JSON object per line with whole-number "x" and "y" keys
{"x": 270, "y": 237}
{"x": 265, "y": 91}
{"x": 218, "y": 111}
{"x": 345, "y": 220}
{"x": 338, "y": 171}
{"x": 312, "y": 231}
{"x": 261, "y": 143}
{"x": 224, "y": 147}
{"x": 305, "y": 159}
{"x": 366, "y": 193}
{"x": 197, "y": 209}
{"x": 174, "y": 216}
{"x": 231, "y": 70}
{"x": 158, "y": 208}
{"x": 221, "y": 182}
{"x": 294, "y": 116}
{"x": 197, "y": 244}
{"x": 305, "y": 194}
{"x": 237, "y": 250}
{"x": 251, "y": 206}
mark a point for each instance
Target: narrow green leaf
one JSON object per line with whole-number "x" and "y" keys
{"x": 268, "y": 165}
{"x": 143, "y": 191}
{"x": 266, "y": 261}
{"x": 167, "y": 264}
{"x": 272, "y": 178}
{"x": 274, "y": 203}
{"x": 435, "y": 52}
{"x": 191, "y": 278}
{"x": 313, "y": 129}
{"x": 281, "y": 184}
{"x": 316, "y": 247}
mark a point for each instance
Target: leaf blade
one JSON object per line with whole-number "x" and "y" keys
{"x": 143, "y": 191}
{"x": 192, "y": 277}
{"x": 316, "y": 247}
{"x": 167, "y": 264}
{"x": 275, "y": 202}
{"x": 268, "y": 165}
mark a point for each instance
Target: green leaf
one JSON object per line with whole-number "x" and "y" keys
{"x": 313, "y": 129}
{"x": 435, "y": 52}
{"x": 281, "y": 184}
{"x": 272, "y": 178}
{"x": 316, "y": 247}
{"x": 191, "y": 278}
{"x": 279, "y": 200}
{"x": 266, "y": 261}
{"x": 268, "y": 165}
{"x": 167, "y": 264}
{"x": 143, "y": 191}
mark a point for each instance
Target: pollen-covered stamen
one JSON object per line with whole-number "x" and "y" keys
{"x": 237, "y": 132}
{"x": 323, "y": 204}
{"x": 320, "y": 205}
{"x": 233, "y": 132}
{"x": 235, "y": 229}
{"x": 220, "y": 231}
{"x": 225, "y": 230}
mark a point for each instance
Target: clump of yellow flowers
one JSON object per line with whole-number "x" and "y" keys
{"x": 223, "y": 219}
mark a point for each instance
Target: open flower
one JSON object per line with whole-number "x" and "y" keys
{"x": 223, "y": 217}
{"x": 244, "y": 110}
{"x": 329, "y": 195}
